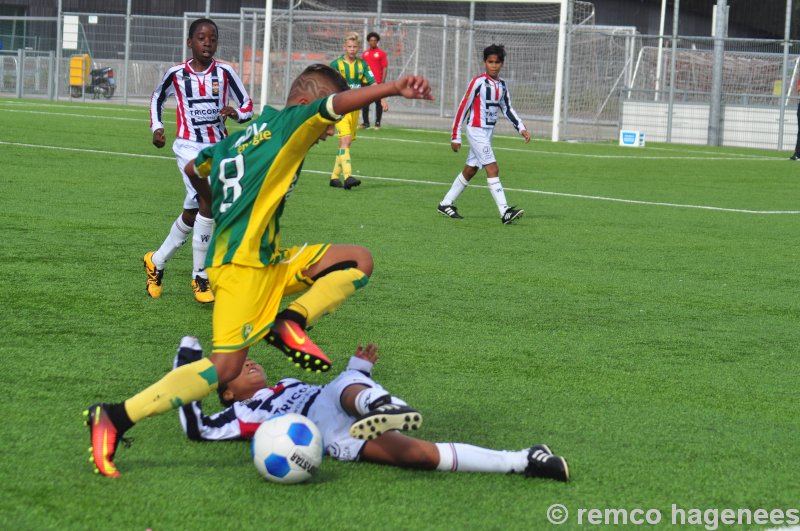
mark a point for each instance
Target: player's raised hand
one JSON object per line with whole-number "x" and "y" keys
{"x": 158, "y": 138}
{"x": 413, "y": 88}
{"x": 370, "y": 353}
{"x": 526, "y": 135}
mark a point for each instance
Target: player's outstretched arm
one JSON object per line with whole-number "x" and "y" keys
{"x": 409, "y": 87}
{"x": 526, "y": 135}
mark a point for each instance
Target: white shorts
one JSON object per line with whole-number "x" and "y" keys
{"x": 333, "y": 421}
{"x": 185, "y": 152}
{"x": 480, "y": 146}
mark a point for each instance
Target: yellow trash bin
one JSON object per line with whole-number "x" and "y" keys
{"x": 79, "y": 67}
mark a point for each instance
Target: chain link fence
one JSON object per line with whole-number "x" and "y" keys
{"x": 674, "y": 104}
{"x": 615, "y": 78}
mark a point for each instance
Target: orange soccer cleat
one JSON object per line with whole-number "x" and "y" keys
{"x": 290, "y": 338}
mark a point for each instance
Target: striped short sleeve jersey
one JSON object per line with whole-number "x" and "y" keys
{"x": 251, "y": 174}
{"x": 357, "y": 74}
{"x": 200, "y": 98}
{"x": 242, "y": 419}
{"x": 484, "y": 99}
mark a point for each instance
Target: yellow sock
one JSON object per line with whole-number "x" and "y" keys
{"x": 337, "y": 167}
{"x": 347, "y": 167}
{"x": 183, "y": 385}
{"x": 328, "y": 293}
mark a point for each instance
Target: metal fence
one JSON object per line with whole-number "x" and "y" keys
{"x": 615, "y": 78}
{"x": 671, "y": 93}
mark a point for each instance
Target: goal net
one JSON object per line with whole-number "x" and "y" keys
{"x": 443, "y": 40}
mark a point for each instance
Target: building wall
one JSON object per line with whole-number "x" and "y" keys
{"x": 748, "y": 18}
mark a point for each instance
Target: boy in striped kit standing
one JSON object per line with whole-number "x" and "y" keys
{"x": 203, "y": 88}
{"x": 486, "y": 94}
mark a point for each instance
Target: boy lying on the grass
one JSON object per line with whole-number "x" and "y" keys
{"x": 358, "y": 419}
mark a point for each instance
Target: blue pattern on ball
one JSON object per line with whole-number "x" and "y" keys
{"x": 277, "y": 465}
{"x": 300, "y": 434}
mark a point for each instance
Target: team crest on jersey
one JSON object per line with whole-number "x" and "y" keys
{"x": 215, "y": 88}
{"x": 246, "y": 330}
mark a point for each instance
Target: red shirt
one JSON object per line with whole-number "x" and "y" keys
{"x": 376, "y": 59}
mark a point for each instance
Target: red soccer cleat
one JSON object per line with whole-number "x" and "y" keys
{"x": 104, "y": 440}
{"x": 290, "y": 338}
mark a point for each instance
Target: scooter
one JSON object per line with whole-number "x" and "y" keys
{"x": 101, "y": 83}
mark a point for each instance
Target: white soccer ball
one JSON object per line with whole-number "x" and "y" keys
{"x": 287, "y": 448}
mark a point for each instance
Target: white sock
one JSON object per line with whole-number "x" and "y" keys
{"x": 178, "y": 234}
{"x": 458, "y": 457}
{"x": 367, "y": 396}
{"x": 459, "y": 185}
{"x": 497, "y": 192}
{"x": 201, "y": 236}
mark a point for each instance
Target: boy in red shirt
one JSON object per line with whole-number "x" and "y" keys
{"x": 376, "y": 59}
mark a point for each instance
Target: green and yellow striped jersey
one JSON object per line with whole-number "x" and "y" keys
{"x": 356, "y": 74}
{"x": 251, "y": 174}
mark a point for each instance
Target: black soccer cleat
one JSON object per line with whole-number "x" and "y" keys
{"x": 189, "y": 351}
{"x": 795, "y": 156}
{"x": 543, "y": 464}
{"x": 511, "y": 214}
{"x": 351, "y": 182}
{"x": 450, "y": 211}
{"x": 384, "y": 418}
{"x": 336, "y": 183}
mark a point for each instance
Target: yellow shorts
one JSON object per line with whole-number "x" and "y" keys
{"x": 348, "y": 125}
{"x": 248, "y": 298}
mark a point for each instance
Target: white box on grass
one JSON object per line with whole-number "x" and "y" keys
{"x": 631, "y": 138}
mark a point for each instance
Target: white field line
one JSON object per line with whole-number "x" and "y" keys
{"x": 588, "y": 155}
{"x": 654, "y": 148}
{"x": 728, "y": 156}
{"x": 581, "y": 196}
{"x": 31, "y": 105}
{"x": 74, "y": 115}
{"x": 649, "y": 148}
{"x": 84, "y": 150}
{"x": 434, "y": 183}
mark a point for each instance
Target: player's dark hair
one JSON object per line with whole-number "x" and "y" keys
{"x": 306, "y": 84}
{"x": 495, "y": 49}
{"x": 220, "y": 391}
{"x": 373, "y": 34}
{"x": 199, "y": 22}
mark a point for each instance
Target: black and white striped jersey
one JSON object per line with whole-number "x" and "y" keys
{"x": 241, "y": 420}
{"x": 485, "y": 97}
{"x": 200, "y": 98}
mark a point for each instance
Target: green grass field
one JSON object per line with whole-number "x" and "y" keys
{"x": 641, "y": 319}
